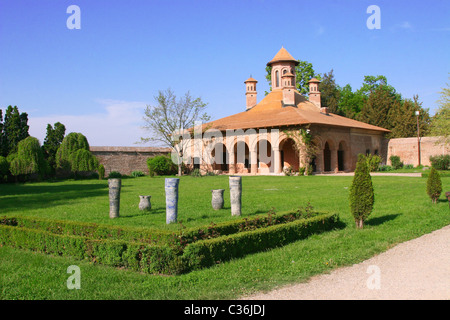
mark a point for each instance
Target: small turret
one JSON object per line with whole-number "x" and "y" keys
{"x": 314, "y": 93}
{"x": 250, "y": 92}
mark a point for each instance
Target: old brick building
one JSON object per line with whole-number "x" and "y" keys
{"x": 262, "y": 138}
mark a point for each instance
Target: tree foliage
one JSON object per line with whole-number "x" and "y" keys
{"x": 53, "y": 139}
{"x": 14, "y": 129}
{"x": 29, "y": 158}
{"x": 73, "y": 154}
{"x": 170, "y": 117}
{"x": 362, "y": 196}
{"x": 440, "y": 125}
{"x": 434, "y": 185}
{"x": 330, "y": 93}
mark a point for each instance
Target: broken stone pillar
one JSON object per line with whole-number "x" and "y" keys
{"x": 171, "y": 188}
{"x": 235, "y": 195}
{"x": 114, "y": 197}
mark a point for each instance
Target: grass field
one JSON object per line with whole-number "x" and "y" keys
{"x": 402, "y": 211}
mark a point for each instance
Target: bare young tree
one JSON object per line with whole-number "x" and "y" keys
{"x": 170, "y": 118}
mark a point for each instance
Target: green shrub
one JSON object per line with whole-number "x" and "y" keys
{"x": 361, "y": 193}
{"x": 408, "y": 166}
{"x": 101, "y": 172}
{"x": 196, "y": 173}
{"x": 441, "y": 162}
{"x": 161, "y": 165}
{"x": 395, "y": 162}
{"x": 385, "y": 168}
{"x": 136, "y": 174}
{"x": 373, "y": 162}
{"x": 114, "y": 175}
{"x": 434, "y": 185}
{"x": 301, "y": 171}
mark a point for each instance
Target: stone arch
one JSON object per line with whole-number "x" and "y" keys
{"x": 290, "y": 156}
{"x": 343, "y": 156}
{"x": 265, "y": 154}
{"x": 221, "y": 157}
{"x": 241, "y": 157}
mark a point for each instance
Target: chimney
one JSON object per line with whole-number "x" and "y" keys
{"x": 314, "y": 93}
{"x": 250, "y": 92}
{"x": 288, "y": 85}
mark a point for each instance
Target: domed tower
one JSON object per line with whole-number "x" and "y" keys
{"x": 282, "y": 64}
{"x": 250, "y": 92}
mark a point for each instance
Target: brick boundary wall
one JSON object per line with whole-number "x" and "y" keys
{"x": 407, "y": 150}
{"x": 126, "y": 159}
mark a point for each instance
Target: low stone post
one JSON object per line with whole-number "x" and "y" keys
{"x": 144, "y": 203}
{"x": 235, "y": 195}
{"x": 171, "y": 188}
{"x": 114, "y": 197}
{"x": 217, "y": 199}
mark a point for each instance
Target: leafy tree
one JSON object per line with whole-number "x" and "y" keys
{"x": 362, "y": 196}
{"x": 15, "y": 128}
{"x": 330, "y": 93}
{"x": 53, "y": 139}
{"x": 73, "y": 154}
{"x": 376, "y": 109}
{"x": 169, "y": 119}
{"x": 403, "y": 119}
{"x": 83, "y": 160}
{"x": 4, "y": 168}
{"x": 350, "y": 103}
{"x": 29, "y": 158}
{"x": 440, "y": 125}
{"x": 434, "y": 185}
{"x": 304, "y": 72}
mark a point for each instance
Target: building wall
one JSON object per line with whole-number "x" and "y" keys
{"x": 126, "y": 159}
{"x": 407, "y": 150}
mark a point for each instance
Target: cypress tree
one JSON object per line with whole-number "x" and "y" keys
{"x": 434, "y": 185}
{"x": 362, "y": 196}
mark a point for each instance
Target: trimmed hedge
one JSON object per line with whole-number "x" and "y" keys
{"x": 208, "y": 252}
{"x": 155, "y": 236}
{"x": 75, "y": 239}
{"x": 116, "y": 253}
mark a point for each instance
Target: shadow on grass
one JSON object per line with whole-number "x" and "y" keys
{"x": 380, "y": 220}
{"x": 28, "y": 196}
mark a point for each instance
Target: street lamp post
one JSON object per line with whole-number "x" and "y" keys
{"x": 418, "y": 135}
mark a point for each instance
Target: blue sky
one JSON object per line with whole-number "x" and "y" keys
{"x": 98, "y": 79}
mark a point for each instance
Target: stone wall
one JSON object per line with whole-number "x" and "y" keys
{"x": 126, "y": 159}
{"x": 407, "y": 150}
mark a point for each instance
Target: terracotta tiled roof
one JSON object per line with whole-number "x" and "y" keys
{"x": 313, "y": 80}
{"x": 271, "y": 113}
{"x": 282, "y": 55}
{"x": 250, "y": 80}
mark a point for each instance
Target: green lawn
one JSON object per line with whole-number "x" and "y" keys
{"x": 402, "y": 211}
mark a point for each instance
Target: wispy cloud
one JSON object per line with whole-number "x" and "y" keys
{"x": 117, "y": 123}
{"x": 320, "y": 30}
{"x": 405, "y": 25}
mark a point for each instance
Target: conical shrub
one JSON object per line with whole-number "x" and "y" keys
{"x": 362, "y": 196}
{"x": 434, "y": 185}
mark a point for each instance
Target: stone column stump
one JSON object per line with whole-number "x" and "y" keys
{"x": 235, "y": 195}
{"x": 171, "y": 188}
{"x": 114, "y": 197}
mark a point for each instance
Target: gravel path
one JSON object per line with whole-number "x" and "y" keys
{"x": 418, "y": 269}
